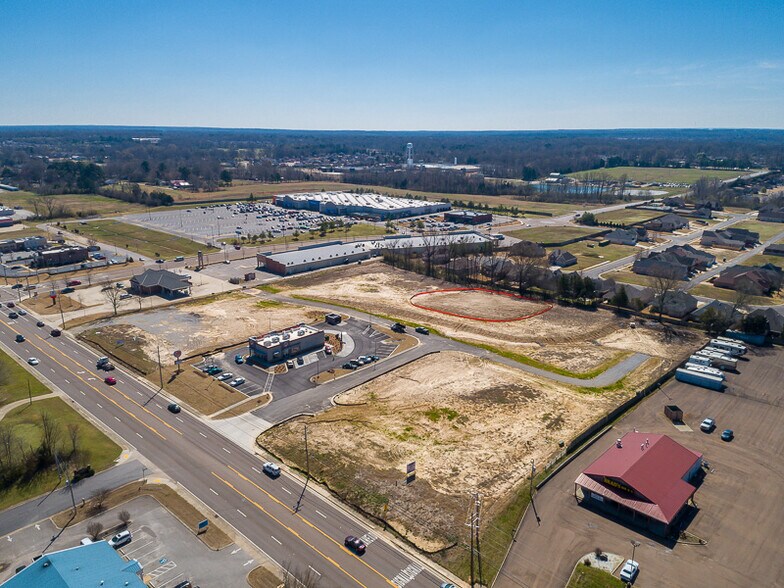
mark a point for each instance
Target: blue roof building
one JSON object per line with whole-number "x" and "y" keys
{"x": 87, "y": 566}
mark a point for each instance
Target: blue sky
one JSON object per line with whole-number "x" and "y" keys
{"x": 373, "y": 64}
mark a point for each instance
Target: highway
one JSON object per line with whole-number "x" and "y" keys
{"x": 223, "y": 476}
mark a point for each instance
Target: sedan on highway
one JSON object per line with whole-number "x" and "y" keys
{"x": 33, "y": 360}
{"x": 174, "y": 407}
{"x": 21, "y": 311}
{"x": 10, "y": 304}
{"x": 355, "y": 544}
{"x": 13, "y": 315}
{"x": 272, "y": 470}
{"x": 20, "y": 338}
{"x": 40, "y": 324}
{"x": 110, "y": 380}
{"x": 55, "y": 332}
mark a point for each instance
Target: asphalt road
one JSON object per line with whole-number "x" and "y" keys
{"x": 226, "y": 478}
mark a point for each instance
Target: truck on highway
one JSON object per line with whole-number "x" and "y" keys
{"x": 698, "y": 379}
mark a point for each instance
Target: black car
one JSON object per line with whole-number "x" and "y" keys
{"x": 40, "y": 324}
{"x": 348, "y": 366}
{"x": 10, "y": 304}
{"x": 355, "y": 544}
{"x": 399, "y": 328}
{"x": 13, "y": 315}
{"x": 15, "y": 286}
{"x": 55, "y": 332}
{"x": 20, "y": 338}
{"x": 174, "y": 407}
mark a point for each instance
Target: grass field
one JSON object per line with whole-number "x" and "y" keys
{"x": 762, "y": 259}
{"x": 629, "y": 277}
{"x": 711, "y": 291}
{"x": 588, "y": 256}
{"x": 628, "y": 216}
{"x": 94, "y": 447}
{"x": 588, "y": 577}
{"x": 143, "y": 241}
{"x": 356, "y": 230}
{"x": 765, "y": 230}
{"x": 13, "y": 381}
{"x": 554, "y": 234}
{"x": 85, "y": 204}
{"x": 22, "y": 231}
{"x": 663, "y": 174}
{"x": 243, "y": 189}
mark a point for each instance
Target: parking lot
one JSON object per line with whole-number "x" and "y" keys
{"x": 168, "y": 552}
{"x": 359, "y": 339}
{"x": 739, "y": 506}
{"x": 218, "y": 222}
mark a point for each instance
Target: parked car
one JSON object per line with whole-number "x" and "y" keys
{"x": 708, "y": 425}
{"x": 13, "y": 315}
{"x": 355, "y": 544}
{"x": 447, "y": 585}
{"x": 354, "y": 363}
{"x": 630, "y": 570}
{"x": 55, "y": 333}
{"x": 101, "y": 360}
{"x": 179, "y": 258}
{"x": 422, "y": 330}
{"x": 225, "y": 376}
{"x": 398, "y": 328}
{"x": 174, "y": 407}
{"x": 185, "y": 584}
{"x": 727, "y": 435}
{"x": 374, "y": 357}
{"x": 289, "y": 364}
{"x": 213, "y": 370}
{"x": 110, "y": 380}
{"x": 272, "y": 470}
{"x": 33, "y": 360}
{"x": 125, "y": 296}
{"x": 300, "y": 361}
{"x": 15, "y": 286}
{"x": 239, "y": 359}
{"x": 237, "y": 382}
{"x": 67, "y": 290}
{"x": 40, "y": 324}
{"x": 20, "y": 338}
{"x": 348, "y": 366}
{"x": 73, "y": 283}
{"x": 160, "y": 260}
{"x": 120, "y": 539}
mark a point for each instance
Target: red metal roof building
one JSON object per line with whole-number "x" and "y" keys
{"x": 644, "y": 477}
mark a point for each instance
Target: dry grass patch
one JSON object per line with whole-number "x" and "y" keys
{"x": 42, "y": 304}
{"x": 250, "y": 404}
{"x": 261, "y": 577}
{"x": 188, "y": 515}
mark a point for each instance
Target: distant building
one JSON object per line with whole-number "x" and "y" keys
{"x": 667, "y": 223}
{"x": 468, "y": 217}
{"x": 677, "y": 304}
{"x": 561, "y": 258}
{"x": 23, "y": 244}
{"x": 644, "y": 478}
{"x": 774, "y": 250}
{"x": 277, "y": 346}
{"x": 315, "y": 257}
{"x": 678, "y": 262}
{"x": 96, "y": 564}
{"x": 771, "y": 214}
{"x": 775, "y": 318}
{"x": 61, "y": 256}
{"x": 623, "y": 237}
{"x": 757, "y": 280}
{"x": 161, "y": 282}
{"x": 366, "y": 205}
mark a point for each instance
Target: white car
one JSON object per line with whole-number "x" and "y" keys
{"x": 272, "y": 470}
{"x": 237, "y": 382}
{"x": 33, "y": 360}
{"x": 630, "y": 570}
{"x": 120, "y": 539}
{"x": 224, "y": 376}
{"x": 21, "y": 312}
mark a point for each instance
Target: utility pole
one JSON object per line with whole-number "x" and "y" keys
{"x": 531, "y": 492}
{"x": 477, "y": 507}
{"x": 307, "y": 472}
{"x": 29, "y": 392}
{"x": 160, "y": 368}
{"x": 473, "y": 583}
{"x": 62, "y": 316}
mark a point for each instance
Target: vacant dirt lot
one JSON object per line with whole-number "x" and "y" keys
{"x": 470, "y": 424}
{"x": 570, "y": 339}
{"x": 480, "y": 304}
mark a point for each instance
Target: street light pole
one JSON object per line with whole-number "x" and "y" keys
{"x": 635, "y": 545}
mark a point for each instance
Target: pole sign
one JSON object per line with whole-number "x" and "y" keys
{"x": 410, "y": 472}
{"x": 177, "y": 354}
{"x": 203, "y": 524}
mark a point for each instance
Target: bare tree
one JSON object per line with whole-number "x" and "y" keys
{"x": 99, "y": 496}
{"x": 94, "y": 530}
{"x": 740, "y": 300}
{"x": 73, "y": 435}
{"x": 124, "y": 516}
{"x": 113, "y": 296}
{"x": 664, "y": 286}
{"x": 528, "y": 259}
{"x": 7, "y": 444}
{"x": 51, "y": 432}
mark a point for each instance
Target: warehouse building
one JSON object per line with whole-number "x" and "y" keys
{"x": 644, "y": 478}
{"x": 61, "y": 256}
{"x": 277, "y": 346}
{"x": 371, "y": 206}
{"x": 459, "y": 242}
{"x": 315, "y": 257}
{"x": 468, "y": 217}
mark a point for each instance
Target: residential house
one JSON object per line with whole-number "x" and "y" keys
{"x": 677, "y": 304}
{"x": 667, "y": 223}
{"x": 771, "y": 214}
{"x": 720, "y": 240}
{"x": 775, "y": 318}
{"x": 675, "y": 201}
{"x": 660, "y": 265}
{"x": 724, "y": 309}
{"x": 623, "y": 237}
{"x": 562, "y": 258}
{"x": 756, "y": 280}
{"x": 527, "y": 249}
{"x": 775, "y": 250}
{"x": 696, "y": 259}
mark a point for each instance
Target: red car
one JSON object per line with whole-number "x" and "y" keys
{"x": 73, "y": 283}
{"x": 110, "y": 380}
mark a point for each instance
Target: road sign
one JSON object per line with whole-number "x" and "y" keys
{"x": 203, "y": 524}
{"x": 177, "y": 353}
{"x": 410, "y": 468}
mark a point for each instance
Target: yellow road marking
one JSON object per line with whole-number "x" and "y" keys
{"x": 307, "y": 522}
{"x": 289, "y": 529}
{"x": 130, "y": 414}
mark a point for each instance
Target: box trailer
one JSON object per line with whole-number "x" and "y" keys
{"x": 704, "y": 380}
{"x": 674, "y": 413}
{"x": 704, "y": 369}
{"x": 730, "y": 348}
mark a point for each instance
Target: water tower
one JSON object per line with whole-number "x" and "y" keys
{"x": 409, "y": 155}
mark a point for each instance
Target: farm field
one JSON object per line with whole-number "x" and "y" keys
{"x": 555, "y": 234}
{"x": 93, "y": 447}
{"x": 139, "y": 239}
{"x": 566, "y": 340}
{"x": 663, "y": 174}
{"x": 77, "y": 204}
{"x": 469, "y": 424}
{"x": 765, "y": 230}
{"x": 588, "y": 256}
{"x": 628, "y": 216}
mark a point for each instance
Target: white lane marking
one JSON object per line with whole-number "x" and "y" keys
{"x": 158, "y": 405}
{"x": 242, "y": 513}
{"x": 275, "y": 540}
{"x": 140, "y": 437}
{"x": 51, "y": 370}
{"x": 226, "y": 450}
{"x": 98, "y": 405}
{"x": 139, "y": 393}
{"x": 179, "y": 419}
{"x": 83, "y": 394}
{"x": 321, "y": 514}
{"x": 202, "y": 434}
{"x": 255, "y": 470}
{"x": 213, "y": 491}
{"x": 407, "y": 574}
{"x": 315, "y": 570}
{"x": 66, "y": 381}
{"x": 120, "y": 382}
{"x": 118, "y": 420}
{"x": 367, "y": 538}
{"x": 286, "y": 490}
